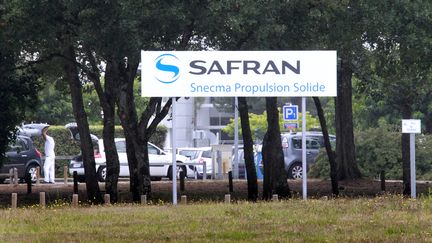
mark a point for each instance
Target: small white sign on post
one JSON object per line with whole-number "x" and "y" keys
{"x": 412, "y": 126}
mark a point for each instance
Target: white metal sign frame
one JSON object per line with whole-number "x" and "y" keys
{"x": 238, "y": 73}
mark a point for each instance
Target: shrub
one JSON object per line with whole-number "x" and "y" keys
{"x": 66, "y": 146}
{"x": 380, "y": 149}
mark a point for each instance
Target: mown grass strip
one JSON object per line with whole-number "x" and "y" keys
{"x": 389, "y": 218}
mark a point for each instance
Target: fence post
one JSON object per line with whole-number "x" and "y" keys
{"x": 183, "y": 199}
{"x": 14, "y": 200}
{"x": 143, "y": 199}
{"x": 75, "y": 181}
{"x": 182, "y": 180}
{"x": 42, "y": 201}
{"x": 29, "y": 183}
{"x": 37, "y": 175}
{"x": 230, "y": 180}
{"x": 107, "y": 199}
{"x": 75, "y": 200}
{"x": 204, "y": 170}
{"x": 228, "y": 198}
{"x": 11, "y": 174}
{"x": 382, "y": 177}
{"x": 15, "y": 176}
{"x": 65, "y": 172}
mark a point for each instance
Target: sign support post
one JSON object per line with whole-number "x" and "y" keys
{"x": 304, "y": 164}
{"x": 412, "y": 126}
{"x": 174, "y": 156}
{"x": 236, "y": 140}
{"x": 412, "y": 165}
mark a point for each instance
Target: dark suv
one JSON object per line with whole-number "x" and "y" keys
{"x": 24, "y": 156}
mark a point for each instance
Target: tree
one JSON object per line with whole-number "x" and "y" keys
{"x": 47, "y": 33}
{"x": 330, "y": 154}
{"x": 18, "y": 87}
{"x": 248, "y": 150}
{"x": 275, "y": 177}
{"x": 402, "y": 52}
{"x": 149, "y": 25}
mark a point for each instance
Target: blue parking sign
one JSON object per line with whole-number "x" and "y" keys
{"x": 290, "y": 112}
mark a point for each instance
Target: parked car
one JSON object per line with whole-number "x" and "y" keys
{"x": 32, "y": 129}
{"x": 199, "y": 155}
{"x": 156, "y": 155}
{"x": 24, "y": 156}
{"x": 241, "y": 163}
{"x": 292, "y": 149}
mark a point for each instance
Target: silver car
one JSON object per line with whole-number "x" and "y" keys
{"x": 292, "y": 149}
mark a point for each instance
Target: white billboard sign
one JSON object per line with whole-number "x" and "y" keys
{"x": 238, "y": 73}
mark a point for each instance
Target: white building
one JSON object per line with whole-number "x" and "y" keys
{"x": 198, "y": 123}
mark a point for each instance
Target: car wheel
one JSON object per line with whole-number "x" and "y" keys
{"x": 295, "y": 171}
{"x": 179, "y": 170}
{"x": 102, "y": 173}
{"x": 32, "y": 170}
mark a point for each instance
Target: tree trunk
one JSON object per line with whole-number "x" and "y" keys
{"x": 345, "y": 148}
{"x": 330, "y": 153}
{"x": 406, "y": 169}
{"x": 71, "y": 72}
{"x": 273, "y": 156}
{"x": 248, "y": 150}
{"x": 138, "y": 133}
{"x": 107, "y": 98}
{"x": 128, "y": 118}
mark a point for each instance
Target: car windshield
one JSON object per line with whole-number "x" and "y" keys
{"x": 207, "y": 154}
{"x": 311, "y": 143}
{"x": 192, "y": 154}
{"x": 18, "y": 145}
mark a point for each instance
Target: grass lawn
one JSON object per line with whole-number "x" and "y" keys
{"x": 380, "y": 219}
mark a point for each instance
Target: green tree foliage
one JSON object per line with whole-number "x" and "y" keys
{"x": 18, "y": 86}
{"x": 402, "y": 65}
{"x": 55, "y": 103}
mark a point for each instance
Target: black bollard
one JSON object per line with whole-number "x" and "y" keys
{"x": 29, "y": 183}
{"x": 230, "y": 179}
{"x": 182, "y": 180}
{"x": 75, "y": 179}
{"x": 382, "y": 177}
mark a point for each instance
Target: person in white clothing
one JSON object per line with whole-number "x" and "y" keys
{"x": 49, "y": 166}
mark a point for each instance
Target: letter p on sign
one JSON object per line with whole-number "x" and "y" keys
{"x": 290, "y": 112}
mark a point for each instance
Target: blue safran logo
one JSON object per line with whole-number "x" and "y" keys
{"x": 167, "y": 68}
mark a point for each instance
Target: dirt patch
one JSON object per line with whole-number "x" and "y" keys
{"x": 200, "y": 190}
